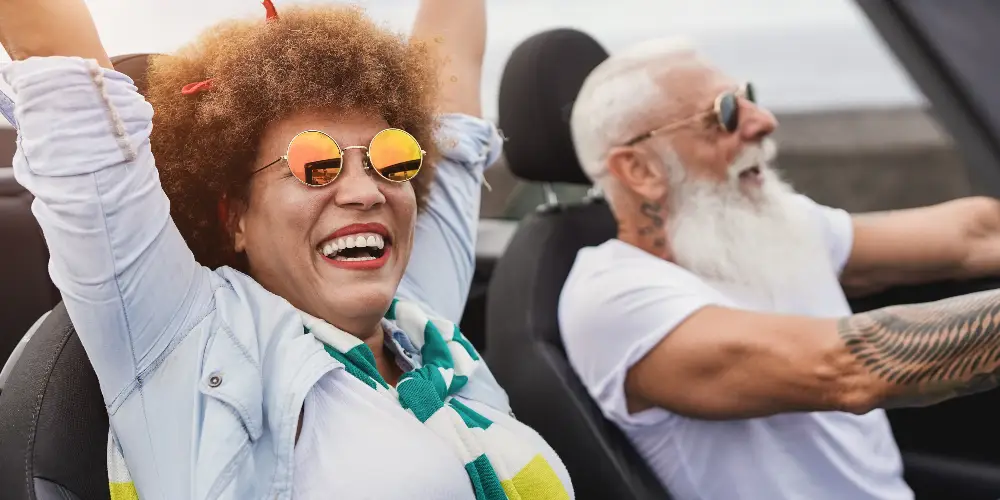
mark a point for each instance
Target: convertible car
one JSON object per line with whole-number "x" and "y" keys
{"x": 53, "y": 423}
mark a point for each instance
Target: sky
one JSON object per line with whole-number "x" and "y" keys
{"x": 800, "y": 54}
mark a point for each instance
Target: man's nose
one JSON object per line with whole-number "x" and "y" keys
{"x": 756, "y": 123}
{"x": 355, "y": 186}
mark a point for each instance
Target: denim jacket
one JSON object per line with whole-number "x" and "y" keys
{"x": 203, "y": 372}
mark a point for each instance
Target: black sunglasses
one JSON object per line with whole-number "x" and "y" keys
{"x": 726, "y": 110}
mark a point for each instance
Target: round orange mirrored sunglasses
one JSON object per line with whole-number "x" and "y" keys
{"x": 316, "y": 159}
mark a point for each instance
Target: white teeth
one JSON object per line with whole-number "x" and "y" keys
{"x": 364, "y": 240}
{"x": 354, "y": 259}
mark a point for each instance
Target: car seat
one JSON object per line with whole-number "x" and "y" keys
{"x": 53, "y": 422}
{"x": 25, "y": 289}
{"x": 540, "y": 82}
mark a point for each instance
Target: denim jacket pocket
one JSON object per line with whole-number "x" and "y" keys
{"x": 231, "y": 376}
{"x": 232, "y": 417}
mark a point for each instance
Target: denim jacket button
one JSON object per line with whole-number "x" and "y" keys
{"x": 215, "y": 380}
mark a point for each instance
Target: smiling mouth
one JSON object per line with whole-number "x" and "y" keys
{"x": 752, "y": 174}
{"x": 359, "y": 247}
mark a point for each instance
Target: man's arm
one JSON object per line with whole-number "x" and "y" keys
{"x": 954, "y": 240}
{"x": 727, "y": 364}
{"x": 456, "y": 31}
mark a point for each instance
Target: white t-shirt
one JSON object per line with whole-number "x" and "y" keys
{"x": 619, "y": 302}
{"x": 358, "y": 444}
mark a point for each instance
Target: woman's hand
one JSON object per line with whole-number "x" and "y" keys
{"x": 50, "y": 28}
{"x": 456, "y": 30}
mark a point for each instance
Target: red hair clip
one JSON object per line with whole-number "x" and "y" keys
{"x": 206, "y": 85}
{"x": 222, "y": 210}
{"x": 272, "y": 13}
{"x": 196, "y": 87}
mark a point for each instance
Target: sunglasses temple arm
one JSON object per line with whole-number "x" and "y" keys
{"x": 268, "y": 165}
{"x": 637, "y": 139}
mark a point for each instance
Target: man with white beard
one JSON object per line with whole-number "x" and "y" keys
{"x": 714, "y": 329}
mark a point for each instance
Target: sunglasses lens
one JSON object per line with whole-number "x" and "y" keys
{"x": 729, "y": 112}
{"x": 395, "y": 155}
{"x": 748, "y": 93}
{"x": 314, "y": 158}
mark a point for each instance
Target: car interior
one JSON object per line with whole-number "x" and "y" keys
{"x": 53, "y": 424}
{"x": 524, "y": 348}
{"x": 24, "y": 259}
{"x": 950, "y": 450}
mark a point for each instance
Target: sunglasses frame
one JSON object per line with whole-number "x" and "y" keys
{"x": 744, "y": 90}
{"x": 367, "y": 162}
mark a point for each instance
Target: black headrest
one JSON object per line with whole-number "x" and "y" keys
{"x": 135, "y": 66}
{"x": 540, "y": 82}
{"x": 8, "y": 143}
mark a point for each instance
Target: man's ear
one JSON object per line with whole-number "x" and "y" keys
{"x": 637, "y": 171}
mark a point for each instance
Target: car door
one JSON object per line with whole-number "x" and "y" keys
{"x": 950, "y": 49}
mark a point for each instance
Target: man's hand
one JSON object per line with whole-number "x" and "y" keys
{"x": 50, "y": 28}
{"x": 955, "y": 240}
{"x": 456, "y": 31}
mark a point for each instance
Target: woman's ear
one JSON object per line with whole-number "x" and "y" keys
{"x": 232, "y": 215}
{"x": 637, "y": 171}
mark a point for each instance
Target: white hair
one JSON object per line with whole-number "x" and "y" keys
{"x": 756, "y": 241}
{"x": 762, "y": 241}
{"x": 616, "y": 94}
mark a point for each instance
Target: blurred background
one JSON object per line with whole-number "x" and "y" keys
{"x": 855, "y": 132}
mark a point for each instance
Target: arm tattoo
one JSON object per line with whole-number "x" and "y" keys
{"x": 929, "y": 352}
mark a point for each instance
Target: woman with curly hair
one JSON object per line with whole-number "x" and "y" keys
{"x": 284, "y": 325}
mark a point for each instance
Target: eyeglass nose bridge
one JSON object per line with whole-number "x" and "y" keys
{"x": 367, "y": 159}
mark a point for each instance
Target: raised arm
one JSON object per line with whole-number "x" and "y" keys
{"x": 443, "y": 260}
{"x": 723, "y": 363}
{"x": 127, "y": 278}
{"x": 50, "y": 28}
{"x": 456, "y": 31}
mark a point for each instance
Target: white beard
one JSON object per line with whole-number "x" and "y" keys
{"x": 756, "y": 237}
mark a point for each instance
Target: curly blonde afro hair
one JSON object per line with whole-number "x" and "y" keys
{"x": 310, "y": 58}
